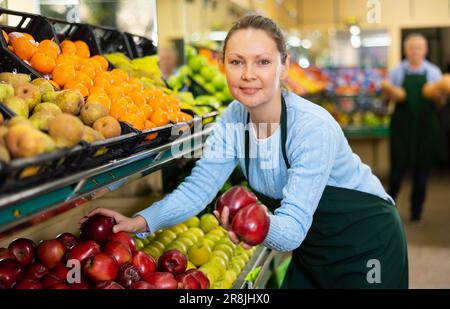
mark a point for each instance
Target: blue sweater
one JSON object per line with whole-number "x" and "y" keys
{"x": 317, "y": 150}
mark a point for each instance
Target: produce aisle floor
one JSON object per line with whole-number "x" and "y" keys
{"x": 429, "y": 241}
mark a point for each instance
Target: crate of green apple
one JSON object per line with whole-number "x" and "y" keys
{"x": 98, "y": 259}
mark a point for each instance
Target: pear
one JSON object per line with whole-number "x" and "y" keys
{"x": 49, "y": 96}
{"x": 91, "y": 112}
{"x": 66, "y": 130}
{"x": 42, "y": 119}
{"x": 90, "y": 135}
{"x": 29, "y": 92}
{"x": 108, "y": 126}
{"x": 49, "y": 107}
{"x": 70, "y": 101}
{"x": 4, "y": 154}
{"x": 18, "y": 106}
{"x": 3, "y": 131}
{"x": 43, "y": 85}
{"x": 19, "y": 120}
{"x": 14, "y": 79}
{"x": 6, "y": 91}
{"x": 25, "y": 141}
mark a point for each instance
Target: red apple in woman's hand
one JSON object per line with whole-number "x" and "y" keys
{"x": 235, "y": 198}
{"x": 98, "y": 228}
{"x": 251, "y": 224}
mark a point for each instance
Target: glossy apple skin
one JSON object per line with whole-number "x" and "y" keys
{"x": 6, "y": 254}
{"x": 29, "y": 284}
{"x": 51, "y": 252}
{"x": 60, "y": 271}
{"x": 187, "y": 281}
{"x": 69, "y": 240}
{"x": 142, "y": 285}
{"x": 162, "y": 280}
{"x": 11, "y": 272}
{"x": 83, "y": 251}
{"x": 124, "y": 238}
{"x": 201, "y": 278}
{"x": 24, "y": 250}
{"x": 251, "y": 224}
{"x": 101, "y": 267}
{"x": 118, "y": 250}
{"x": 98, "y": 228}
{"x": 144, "y": 263}
{"x": 235, "y": 198}
{"x": 128, "y": 274}
{"x": 172, "y": 261}
{"x": 36, "y": 271}
{"x": 60, "y": 286}
{"x": 50, "y": 280}
{"x": 108, "y": 285}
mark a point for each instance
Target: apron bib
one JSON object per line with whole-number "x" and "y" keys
{"x": 414, "y": 128}
{"x": 355, "y": 238}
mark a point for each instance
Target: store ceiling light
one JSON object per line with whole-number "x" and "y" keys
{"x": 355, "y": 30}
{"x": 355, "y": 41}
{"x": 306, "y": 44}
{"x": 294, "y": 41}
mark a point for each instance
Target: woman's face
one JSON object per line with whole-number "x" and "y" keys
{"x": 253, "y": 67}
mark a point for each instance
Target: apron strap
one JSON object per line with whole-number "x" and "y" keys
{"x": 283, "y": 124}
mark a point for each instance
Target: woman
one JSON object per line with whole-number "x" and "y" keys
{"x": 327, "y": 206}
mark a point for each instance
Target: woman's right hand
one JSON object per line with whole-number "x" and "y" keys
{"x": 130, "y": 225}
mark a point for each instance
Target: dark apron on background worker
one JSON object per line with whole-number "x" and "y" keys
{"x": 352, "y": 233}
{"x": 414, "y": 128}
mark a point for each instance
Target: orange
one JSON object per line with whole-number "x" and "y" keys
{"x": 80, "y": 45}
{"x": 121, "y": 74}
{"x": 50, "y": 52}
{"x": 117, "y": 109}
{"x": 174, "y": 117}
{"x": 101, "y": 98}
{"x": 76, "y": 85}
{"x": 173, "y": 107}
{"x": 146, "y": 111}
{"x": 68, "y": 47}
{"x": 88, "y": 70}
{"x": 115, "y": 92}
{"x": 184, "y": 117}
{"x": 160, "y": 117}
{"x": 29, "y": 36}
{"x": 43, "y": 63}
{"x": 94, "y": 64}
{"x": 133, "y": 108}
{"x": 24, "y": 48}
{"x": 69, "y": 59}
{"x": 83, "y": 53}
{"x": 138, "y": 98}
{"x": 63, "y": 73}
{"x": 15, "y": 35}
{"x": 104, "y": 64}
{"x": 84, "y": 79}
{"x": 97, "y": 89}
{"x": 49, "y": 44}
{"x": 147, "y": 126}
{"x": 5, "y": 36}
{"x": 138, "y": 122}
{"x": 101, "y": 82}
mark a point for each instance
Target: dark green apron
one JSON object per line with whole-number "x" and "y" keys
{"x": 414, "y": 128}
{"x": 350, "y": 229}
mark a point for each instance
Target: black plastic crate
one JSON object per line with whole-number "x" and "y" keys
{"x": 140, "y": 46}
{"x": 163, "y": 137}
{"x": 33, "y": 24}
{"x": 111, "y": 40}
{"x": 28, "y": 172}
{"x": 101, "y": 152}
{"x": 75, "y": 31}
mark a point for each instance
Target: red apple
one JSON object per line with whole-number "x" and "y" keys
{"x": 50, "y": 280}
{"x": 6, "y": 254}
{"x": 11, "y": 272}
{"x": 251, "y": 224}
{"x": 101, "y": 267}
{"x": 142, "y": 285}
{"x": 172, "y": 261}
{"x": 235, "y": 198}
{"x": 201, "y": 278}
{"x": 161, "y": 280}
{"x": 97, "y": 228}
{"x": 124, "y": 238}
{"x": 120, "y": 251}
{"x": 24, "y": 250}
{"x": 69, "y": 240}
{"x": 188, "y": 282}
{"x": 80, "y": 286}
{"x": 60, "y": 286}
{"x": 29, "y": 284}
{"x": 128, "y": 274}
{"x": 108, "y": 285}
{"x": 51, "y": 252}
{"x": 36, "y": 271}
{"x": 60, "y": 271}
{"x": 83, "y": 251}
{"x": 144, "y": 263}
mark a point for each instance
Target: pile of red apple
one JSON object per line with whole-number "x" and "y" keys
{"x": 100, "y": 259}
{"x": 249, "y": 220}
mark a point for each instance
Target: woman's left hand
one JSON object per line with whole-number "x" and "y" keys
{"x": 224, "y": 220}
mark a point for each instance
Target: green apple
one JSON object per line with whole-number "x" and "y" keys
{"x": 210, "y": 88}
{"x": 197, "y": 231}
{"x": 151, "y": 237}
{"x": 183, "y": 227}
{"x": 208, "y": 73}
{"x": 213, "y": 237}
{"x": 176, "y": 229}
{"x": 180, "y": 246}
{"x": 208, "y": 242}
{"x": 219, "y": 82}
{"x": 213, "y": 268}
{"x": 153, "y": 252}
{"x": 199, "y": 253}
{"x": 208, "y": 222}
{"x": 157, "y": 244}
{"x": 168, "y": 233}
{"x": 165, "y": 240}
{"x": 227, "y": 241}
{"x": 190, "y": 266}
{"x": 220, "y": 231}
{"x": 228, "y": 250}
{"x": 209, "y": 274}
{"x": 199, "y": 79}
{"x": 238, "y": 261}
{"x": 190, "y": 51}
{"x": 186, "y": 241}
{"x": 145, "y": 241}
{"x": 192, "y": 222}
{"x": 219, "y": 262}
{"x": 190, "y": 235}
{"x": 230, "y": 277}
{"x": 235, "y": 269}
{"x": 138, "y": 243}
{"x": 197, "y": 62}
{"x": 222, "y": 255}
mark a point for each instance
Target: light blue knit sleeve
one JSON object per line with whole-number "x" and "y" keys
{"x": 218, "y": 161}
{"x": 311, "y": 154}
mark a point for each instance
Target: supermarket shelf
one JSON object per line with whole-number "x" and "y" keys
{"x": 19, "y": 207}
{"x": 366, "y": 132}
